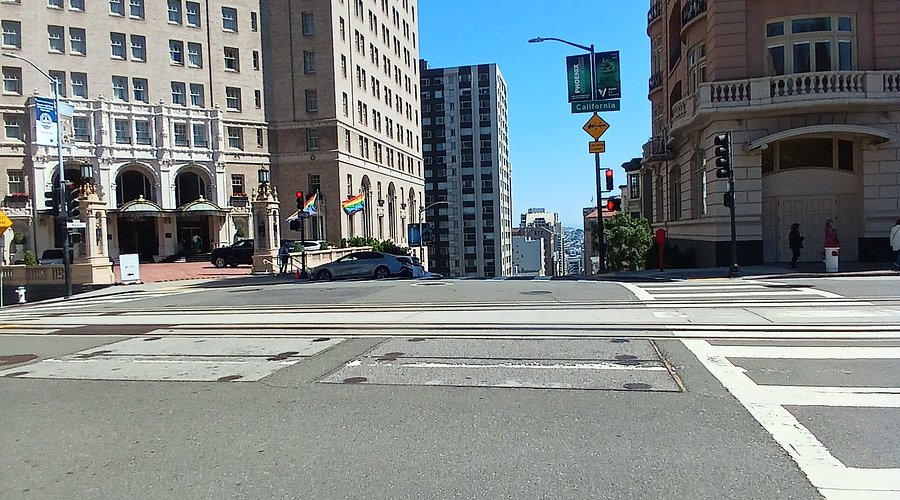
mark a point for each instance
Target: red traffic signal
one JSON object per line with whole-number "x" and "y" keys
{"x": 300, "y": 200}
{"x": 614, "y": 204}
{"x": 609, "y": 179}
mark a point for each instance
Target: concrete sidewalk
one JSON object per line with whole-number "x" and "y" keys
{"x": 783, "y": 271}
{"x": 176, "y": 271}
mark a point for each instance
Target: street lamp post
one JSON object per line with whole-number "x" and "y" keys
{"x": 601, "y": 239}
{"x": 61, "y": 189}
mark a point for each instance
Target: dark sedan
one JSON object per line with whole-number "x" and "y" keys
{"x": 241, "y": 252}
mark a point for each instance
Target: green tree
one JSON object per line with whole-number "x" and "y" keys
{"x": 29, "y": 259}
{"x": 627, "y": 241}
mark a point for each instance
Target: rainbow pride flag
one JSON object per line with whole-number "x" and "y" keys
{"x": 310, "y": 205}
{"x": 354, "y": 204}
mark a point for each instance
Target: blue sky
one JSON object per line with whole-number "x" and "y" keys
{"x": 548, "y": 149}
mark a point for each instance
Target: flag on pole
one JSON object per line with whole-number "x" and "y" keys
{"x": 310, "y": 205}
{"x": 354, "y": 204}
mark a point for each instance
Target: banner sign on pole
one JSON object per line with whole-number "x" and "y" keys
{"x": 578, "y": 71}
{"x": 45, "y": 121}
{"x": 414, "y": 234}
{"x": 607, "y": 75}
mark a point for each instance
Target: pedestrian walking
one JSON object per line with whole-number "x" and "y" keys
{"x": 895, "y": 242}
{"x": 196, "y": 243}
{"x": 283, "y": 256}
{"x": 795, "y": 242}
{"x": 831, "y": 236}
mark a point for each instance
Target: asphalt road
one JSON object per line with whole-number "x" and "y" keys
{"x": 744, "y": 391}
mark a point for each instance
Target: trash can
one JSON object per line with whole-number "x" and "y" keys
{"x": 832, "y": 256}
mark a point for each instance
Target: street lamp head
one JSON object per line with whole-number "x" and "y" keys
{"x": 10, "y": 54}
{"x": 536, "y": 39}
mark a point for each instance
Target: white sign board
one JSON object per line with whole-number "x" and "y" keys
{"x": 76, "y": 224}
{"x": 130, "y": 268}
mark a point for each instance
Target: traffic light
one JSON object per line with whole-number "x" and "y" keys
{"x": 609, "y": 179}
{"x": 72, "y": 200}
{"x": 51, "y": 201}
{"x": 300, "y": 200}
{"x": 614, "y": 204}
{"x": 723, "y": 155}
{"x": 296, "y": 224}
{"x": 729, "y": 199}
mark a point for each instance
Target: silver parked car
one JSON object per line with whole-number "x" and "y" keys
{"x": 360, "y": 265}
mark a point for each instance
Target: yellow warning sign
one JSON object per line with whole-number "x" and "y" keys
{"x": 5, "y": 222}
{"x": 596, "y": 126}
{"x": 597, "y": 147}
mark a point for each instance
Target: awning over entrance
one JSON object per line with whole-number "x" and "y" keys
{"x": 200, "y": 207}
{"x": 878, "y": 135}
{"x": 140, "y": 208}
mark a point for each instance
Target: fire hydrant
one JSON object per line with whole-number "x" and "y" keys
{"x": 21, "y": 291}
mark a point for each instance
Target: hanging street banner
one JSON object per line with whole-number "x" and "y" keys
{"x": 46, "y": 120}
{"x": 607, "y": 75}
{"x": 578, "y": 71}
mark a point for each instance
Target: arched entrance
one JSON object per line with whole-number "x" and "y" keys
{"x": 392, "y": 212}
{"x": 136, "y": 222}
{"x": 193, "y": 226}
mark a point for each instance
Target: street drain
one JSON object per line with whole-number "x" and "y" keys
{"x": 321, "y": 339}
{"x": 283, "y": 356}
{"x": 415, "y": 339}
{"x": 229, "y": 378}
{"x": 637, "y": 386}
{"x": 355, "y": 380}
{"x": 152, "y": 339}
{"x": 619, "y": 341}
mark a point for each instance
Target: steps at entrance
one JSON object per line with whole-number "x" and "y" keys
{"x": 197, "y": 257}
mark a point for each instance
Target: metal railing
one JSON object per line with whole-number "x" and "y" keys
{"x": 692, "y": 9}
{"x": 655, "y": 11}
{"x": 656, "y": 81}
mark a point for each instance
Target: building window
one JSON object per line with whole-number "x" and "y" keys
{"x": 810, "y": 44}
{"x": 76, "y": 5}
{"x": 117, "y": 45}
{"x": 343, "y": 29}
{"x": 254, "y": 22}
{"x": 120, "y": 88}
{"x": 116, "y": 7}
{"x": 81, "y": 128}
{"x": 697, "y": 66}
{"x": 79, "y": 84}
{"x": 195, "y": 55}
{"x": 192, "y": 14}
{"x": 12, "y": 34}
{"x": 139, "y": 89}
{"x": 233, "y": 98}
{"x": 345, "y": 104}
{"x": 180, "y": 133}
{"x": 312, "y": 139}
{"x": 142, "y": 132}
{"x": 176, "y": 52}
{"x": 237, "y": 185}
{"x": 200, "y": 140}
{"x": 13, "y": 129}
{"x": 178, "y": 94}
{"x": 122, "y": 131}
{"x": 235, "y": 138}
{"x": 12, "y": 80}
{"x": 344, "y": 66}
{"x": 229, "y": 19}
{"x": 255, "y": 60}
{"x": 308, "y": 26}
{"x": 138, "y": 48}
{"x": 259, "y": 137}
{"x": 58, "y": 76}
{"x": 232, "y": 59}
{"x": 137, "y": 9}
{"x": 809, "y": 153}
{"x": 257, "y": 98}
{"x": 56, "y": 4}
{"x": 15, "y": 181}
{"x": 312, "y": 101}
{"x": 56, "y": 37}
{"x": 314, "y": 183}
{"x": 309, "y": 61}
{"x": 634, "y": 186}
{"x": 175, "y": 11}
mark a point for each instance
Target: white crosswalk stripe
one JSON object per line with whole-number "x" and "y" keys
{"x": 770, "y": 405}
{"x": 725, "y": 290}
{"x": 83, "y": 305}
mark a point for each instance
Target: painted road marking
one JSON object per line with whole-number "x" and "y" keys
{"x": 766, "y": 404}
{"x": 183, "y": 359}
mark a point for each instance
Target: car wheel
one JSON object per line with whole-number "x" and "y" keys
{"x": 219, "y": 262}
{"x": 324, "y": 275}
{"x": 382, "y": 272}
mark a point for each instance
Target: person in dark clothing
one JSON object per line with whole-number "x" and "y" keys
{"x": 795, "y": 242}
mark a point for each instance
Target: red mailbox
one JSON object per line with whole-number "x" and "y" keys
{"x": 661, "y": 246}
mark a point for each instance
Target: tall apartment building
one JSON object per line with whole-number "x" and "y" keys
{"x": 556, "y": 254}
{"x": 465, "y": 140}
{"x": 811, "y": 94}
{"x": 168, "y": 110}
{"x": 342, "y": 78}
